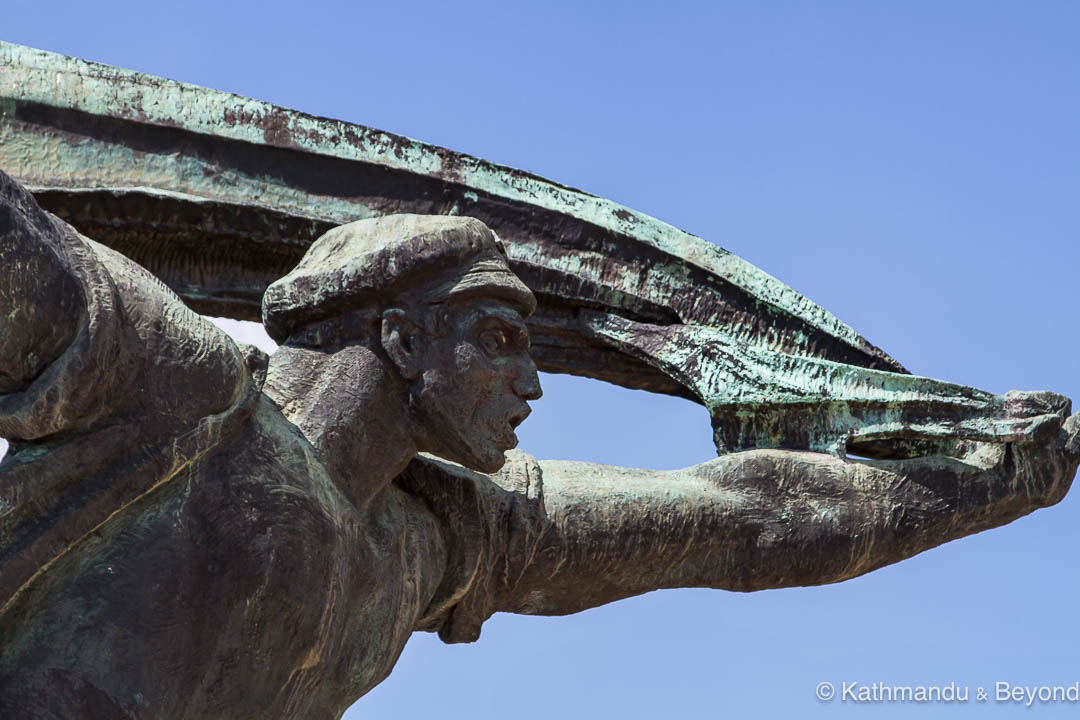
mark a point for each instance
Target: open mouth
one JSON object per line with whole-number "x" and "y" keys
{"x": 506, "y": 438}
{"x": 517, "y": 417}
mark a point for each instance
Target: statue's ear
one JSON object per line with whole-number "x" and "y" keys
{"x": 402, "y": 339}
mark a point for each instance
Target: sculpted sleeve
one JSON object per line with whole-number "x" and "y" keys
{"x": 58, "y": 328}
{"x": 109, "y": 385}
{"x": 492, "y": 526}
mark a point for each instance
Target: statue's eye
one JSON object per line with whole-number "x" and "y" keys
{"x": 492, "y": 341}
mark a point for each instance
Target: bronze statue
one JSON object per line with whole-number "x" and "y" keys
{"x": 191, "y": 529}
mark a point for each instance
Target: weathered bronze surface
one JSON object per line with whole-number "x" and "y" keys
{"x": 191, "y": 529}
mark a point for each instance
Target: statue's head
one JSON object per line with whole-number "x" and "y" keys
{"x": 435, "y": 299}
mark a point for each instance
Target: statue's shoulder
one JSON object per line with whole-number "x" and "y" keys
{"x": 447, "y": 486}
{"x": 485, "y": 522}
{"x": 141, "y": 393}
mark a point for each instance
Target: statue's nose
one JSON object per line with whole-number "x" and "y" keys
{"x": 527, "y": 380}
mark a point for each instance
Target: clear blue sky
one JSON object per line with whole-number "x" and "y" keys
{"x": 913, "y": 167}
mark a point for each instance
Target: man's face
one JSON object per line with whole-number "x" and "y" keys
{"x": 475, "y": 383}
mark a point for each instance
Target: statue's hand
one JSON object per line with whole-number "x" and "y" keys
{"x": 1072, "y": 433}
{"x": 1041, "y": 414}
{"x": 1046, "y": 465}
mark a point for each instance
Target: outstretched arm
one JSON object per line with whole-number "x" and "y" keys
{"x": 107, "y": 385}
{"x": 89, "y": 338}
{"x": 766, "y": 519}
{"x": 41, "y": 301}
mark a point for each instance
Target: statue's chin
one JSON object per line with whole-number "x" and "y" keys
{"x": 489, "y": 463}
{"x": 486, "y": 459}
{"x": 478, "y": 453}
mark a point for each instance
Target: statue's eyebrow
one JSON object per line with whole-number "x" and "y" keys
{"x": 506, "y": 314}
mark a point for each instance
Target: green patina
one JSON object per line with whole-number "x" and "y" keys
{"x": 623, "y": 297}
{"x": 40, "y": 77}
{"x": 758, "y": 397}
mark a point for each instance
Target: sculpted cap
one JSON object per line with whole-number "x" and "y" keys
{"x": 432, "y": 258}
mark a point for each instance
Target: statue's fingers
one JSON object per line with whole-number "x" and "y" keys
{"x": 1020, "y": 404}
{"x": 1072, "y": 437}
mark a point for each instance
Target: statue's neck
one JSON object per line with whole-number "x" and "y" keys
{"x": 351, "y": 409}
